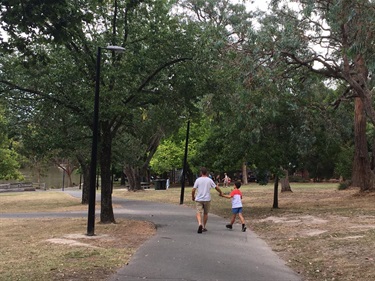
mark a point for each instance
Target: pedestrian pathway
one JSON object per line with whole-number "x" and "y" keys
{"x": 177, "y": 252}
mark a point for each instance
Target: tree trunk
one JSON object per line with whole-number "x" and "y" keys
{"x": 106, "y": 212}
{"x": 362, "y": 175}
{"x": 85, "y": 167}
{"x": 134, "y": 177}
{"x": 123, "y": 178}
{"x": 69, "y": 169}
{"x": 244, "y": 173}
{"x": 285, "y": 185}
{"x": 275, "y": 193}
{"x": 86, "y": 185}
{"x": 190, "y": 176}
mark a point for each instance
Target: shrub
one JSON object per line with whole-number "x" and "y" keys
{"x": 344, "y": 185}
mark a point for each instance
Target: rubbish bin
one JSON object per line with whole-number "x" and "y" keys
{"x": 160, "y": 184}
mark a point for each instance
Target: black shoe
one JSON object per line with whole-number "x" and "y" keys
{"x": 244, "y": 229}
{"x": 204, "y": 229}
{"x": 200, "y": 228}
{"x": 229, "y": 226}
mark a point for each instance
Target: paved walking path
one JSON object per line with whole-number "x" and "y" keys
{"x": 178, "y": 253}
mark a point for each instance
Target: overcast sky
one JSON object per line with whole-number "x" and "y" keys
{"x": 254, "y": 4}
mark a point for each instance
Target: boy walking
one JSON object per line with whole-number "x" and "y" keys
{"x": 236, "y": 196}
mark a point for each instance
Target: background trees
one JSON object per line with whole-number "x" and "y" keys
{"x": 9, "y": 158}
{"x": 334, "y": 40}
{"x": 53, "y": 74}
{"x": 266, "y": 89}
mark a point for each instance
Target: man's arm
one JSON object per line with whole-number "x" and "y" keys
{"x": 218, "y": 190}
{"x": 193, "y": 194}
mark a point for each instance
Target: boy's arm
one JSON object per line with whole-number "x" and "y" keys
{"x": 226, "y": 196}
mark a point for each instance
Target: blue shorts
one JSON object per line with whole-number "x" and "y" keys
{"x": 237, "y": 210}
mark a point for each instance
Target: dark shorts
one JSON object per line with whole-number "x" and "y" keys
{"x": 237, "y": 210}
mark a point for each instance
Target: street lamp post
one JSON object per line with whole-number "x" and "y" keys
{"x": 185, "y": 164}
{"x": 94, "y": 147}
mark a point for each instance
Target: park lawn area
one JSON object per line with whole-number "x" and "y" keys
{"x": 47, "y": 249}
{"x": 321, "y": 232}
{"x": 39, "y": 201}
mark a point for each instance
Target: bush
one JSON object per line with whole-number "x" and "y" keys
{"x": 344, "y": 185}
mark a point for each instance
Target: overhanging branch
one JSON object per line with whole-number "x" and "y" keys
{"x": 43, "y": 95}
{"x": 160, "y": 68}
{"x": 150, "y": 77}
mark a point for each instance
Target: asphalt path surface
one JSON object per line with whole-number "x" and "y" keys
{"x": 178, "y": 253}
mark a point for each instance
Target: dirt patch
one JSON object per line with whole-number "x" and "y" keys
{"x": 72, "y": 240}
{"x": 312, "y": 232}
{"x": 306, "y": 220}
{"x": 351, "y": 237}
{"x": 69, "y": 242}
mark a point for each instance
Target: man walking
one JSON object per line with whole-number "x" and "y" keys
{"x": 202, "y": 197}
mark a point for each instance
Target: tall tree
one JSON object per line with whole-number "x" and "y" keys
{"x": 53, "y": 66}
{"x": 335, "y": 40}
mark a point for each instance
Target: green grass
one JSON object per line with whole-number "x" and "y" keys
{"x": 26, "y": 254}
{"x": 51, "y": 201}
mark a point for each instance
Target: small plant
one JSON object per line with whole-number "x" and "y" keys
{"x": 344, "y": 185}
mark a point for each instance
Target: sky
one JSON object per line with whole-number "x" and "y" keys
{"x": 254, "y": 4}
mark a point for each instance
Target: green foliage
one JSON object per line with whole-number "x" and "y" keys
{"x": 171, "y": 151}
{"x": 49, "y": 80}
{"x": 9, "y": 165}
{"x": 344, "y": 163}
{"x": 167, "y": 157}
{"x": 9, "y": 158}
{"x": 344, "y": 185}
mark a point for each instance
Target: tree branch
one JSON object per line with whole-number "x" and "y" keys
{"x": 328, "y": 71}
{"x": 45, "y": 96}
{"x": 160, "y": 68}
{"x": 149, "y": 78}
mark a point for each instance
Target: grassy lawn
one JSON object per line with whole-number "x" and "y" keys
{"x": 51, "y": 201}
{"x": 320, "y": 232}
{"x": 57, "y": 249}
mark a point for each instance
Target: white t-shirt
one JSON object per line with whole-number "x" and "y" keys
{"x": 203, "y": 186}
{"x": 236, "y": 198}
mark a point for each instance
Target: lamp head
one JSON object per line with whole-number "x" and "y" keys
{"x": 117, "y": 49}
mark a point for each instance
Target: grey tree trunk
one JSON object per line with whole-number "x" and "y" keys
{"x": 244, "y": 173}
{"x": 134, "y": 177}
{"x": 285, "y": 185}
{"x": 85, "y": 167}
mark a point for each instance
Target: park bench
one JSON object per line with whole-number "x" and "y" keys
{"x": 18, "y": 186}
{"x": 145, "y": 184}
